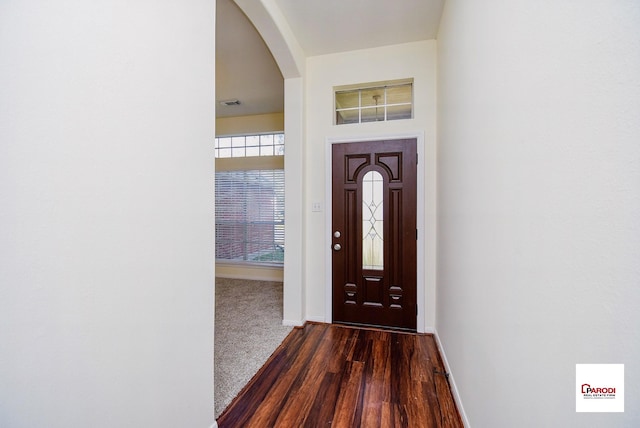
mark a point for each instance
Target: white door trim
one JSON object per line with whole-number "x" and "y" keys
{"x": 420, "y": 219}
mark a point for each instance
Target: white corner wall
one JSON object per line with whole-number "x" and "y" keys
{"x": 417, "y": 60}
{"x": 538, "y": 205}
{"x": 106, "y": 213}
{"x": 266, "y": 16}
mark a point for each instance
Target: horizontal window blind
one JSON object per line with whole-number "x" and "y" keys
{"x": 250, "y": 216}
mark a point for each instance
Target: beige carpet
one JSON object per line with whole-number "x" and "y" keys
{"x": 248, "y": 330}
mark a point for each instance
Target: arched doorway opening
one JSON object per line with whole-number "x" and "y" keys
{"x": 292, "y": 312}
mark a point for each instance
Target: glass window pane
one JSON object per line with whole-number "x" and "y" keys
{"x": 223, "y": 142}
{"x": 266, "y": 151}
{"x": 347, "y": 116}
{"x": 278, "y": 141}
{"x": 237, "y": 141}
{"x": 266, "y": 140}
{"x": 372, "y": 97}
{"x": 399, "y": 112}
{"x": 374, "y": 114}
{"x": 252, "y": 140}
{"x": 399, "y": 94}
{"x": 372, "y": 221}
{"x": 253, "y": 151}
{"x": 237, "y": 152}
{"x": 224, "y": 153}
{"x": 347, "y": 99}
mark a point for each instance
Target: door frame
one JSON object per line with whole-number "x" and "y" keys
{"x": 420, "y": 221}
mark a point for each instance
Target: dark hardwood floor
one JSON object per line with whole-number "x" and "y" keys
{"x": 328, "y": 375}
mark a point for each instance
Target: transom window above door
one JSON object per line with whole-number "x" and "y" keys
{"x": 374, "y": 102}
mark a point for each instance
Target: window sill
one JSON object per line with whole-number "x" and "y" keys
{"x": 251, "y": 271}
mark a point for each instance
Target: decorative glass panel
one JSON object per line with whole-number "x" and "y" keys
{"x": 372, "y": 221}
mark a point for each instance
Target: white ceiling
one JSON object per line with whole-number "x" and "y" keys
{"x": 246, "y": 70}
{"x": 329, "y": 26}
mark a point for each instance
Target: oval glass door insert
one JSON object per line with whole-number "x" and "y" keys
{"x": 372, "y": 221}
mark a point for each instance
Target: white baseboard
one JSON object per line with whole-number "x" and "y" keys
{"x": 293, "y": 323}
{"x": 452, "y": 381}
{"x": 429, "y": 330}
{"x": 300, "y": 323}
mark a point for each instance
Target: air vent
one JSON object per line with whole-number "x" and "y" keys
{"x": 229, "y": 103}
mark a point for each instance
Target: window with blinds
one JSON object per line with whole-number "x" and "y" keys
{"x": 250, "y": 216}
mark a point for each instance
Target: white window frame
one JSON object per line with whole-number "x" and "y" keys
{"x": 383, "y": 105}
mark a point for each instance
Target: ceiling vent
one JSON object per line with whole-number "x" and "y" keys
{"x": 228, "y": 103}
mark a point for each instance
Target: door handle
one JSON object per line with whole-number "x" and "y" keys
{"x": 337, "y": 247}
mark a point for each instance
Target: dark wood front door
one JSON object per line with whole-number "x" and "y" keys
{"x": 374, "y": 233}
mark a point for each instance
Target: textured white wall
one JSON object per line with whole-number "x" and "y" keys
{"x": 538, "y": 205}
{"x": 106, "y": 213}
{"x": 417, "y": 60}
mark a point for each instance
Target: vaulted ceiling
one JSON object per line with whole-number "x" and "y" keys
{"x": 246, "y": 70}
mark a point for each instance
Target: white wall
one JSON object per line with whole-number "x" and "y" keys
{"x": 106, "y": 213}
{"x": 415, "y": 60}
{"x": 254, "y": 124}
{"x": 293, "y": 287}
{"x": 538, "y": 205}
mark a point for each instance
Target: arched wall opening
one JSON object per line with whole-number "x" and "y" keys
{"x": 268, "y": 20}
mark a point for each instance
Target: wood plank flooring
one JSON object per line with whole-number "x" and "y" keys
{"x": 328, "y": 375}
